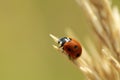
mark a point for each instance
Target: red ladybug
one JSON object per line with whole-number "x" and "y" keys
{"x": 71, "y": 47}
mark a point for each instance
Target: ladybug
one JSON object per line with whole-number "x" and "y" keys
{"x": 71, "y": 47}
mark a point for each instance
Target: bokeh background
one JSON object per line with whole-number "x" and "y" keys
{"x": 25, "y": 46}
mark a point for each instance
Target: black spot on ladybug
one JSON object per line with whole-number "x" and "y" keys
{"x": 69, "y": 49}
{"x": 77, "y": 55}
{"x": 75, "y": 47}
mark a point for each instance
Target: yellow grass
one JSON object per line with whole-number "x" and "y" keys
{"x": 102, "y": 62}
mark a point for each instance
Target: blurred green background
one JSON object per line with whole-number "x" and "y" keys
{"x": 25, "y": 46}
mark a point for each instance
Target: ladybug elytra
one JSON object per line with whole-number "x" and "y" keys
{"x": 71, "y": 47}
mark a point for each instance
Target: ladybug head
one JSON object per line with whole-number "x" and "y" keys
{"x": 63, "y": 40}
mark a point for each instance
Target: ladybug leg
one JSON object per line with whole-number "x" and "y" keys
{"x": 60, "y": 49}
{"x": 69, "y": 57}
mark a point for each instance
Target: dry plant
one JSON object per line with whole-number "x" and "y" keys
{"x": 102, "y": 61}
